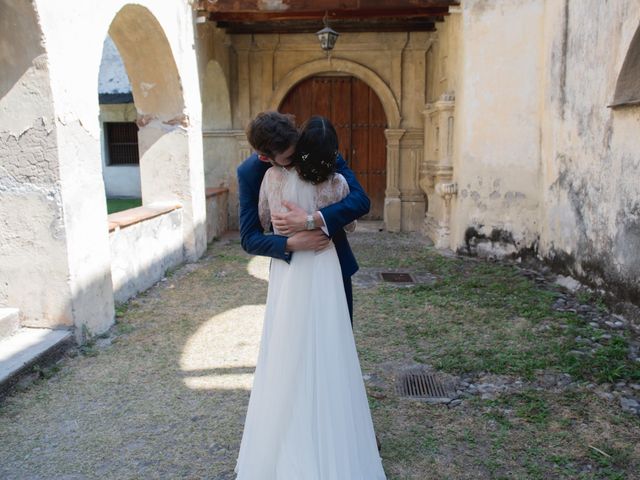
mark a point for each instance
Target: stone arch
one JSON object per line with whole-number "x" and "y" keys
{"x": 628, "y": 84}
{"x": 365, "y": 74}
{"x": 168, "y": 173}
{"x": 149, "y": 61}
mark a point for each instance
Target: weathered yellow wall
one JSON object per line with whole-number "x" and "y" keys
{"x": 541, "y": 163}
{"x": 590, "y": 153}
{"x": 497, "y": 159}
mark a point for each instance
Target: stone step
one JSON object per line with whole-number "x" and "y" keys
{"x": 9, "y": 322}
{"x": 26, "y": 347}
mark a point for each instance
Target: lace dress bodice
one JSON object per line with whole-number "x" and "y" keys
{"x": 281, "y": 184}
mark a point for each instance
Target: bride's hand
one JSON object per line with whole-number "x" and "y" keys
{"x": 289, "y": 222}
{"x": 313, "y": 240}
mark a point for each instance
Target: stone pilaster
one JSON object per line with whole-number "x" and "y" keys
{"x": 392, "y": 201}
{"x": 437, "y": 170}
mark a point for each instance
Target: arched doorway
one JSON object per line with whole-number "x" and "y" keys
{"x": 359, "y": 117}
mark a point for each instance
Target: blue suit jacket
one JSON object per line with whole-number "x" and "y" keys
{"x": 336, "y": 216}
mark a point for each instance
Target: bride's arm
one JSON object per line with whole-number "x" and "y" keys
{"x": 333, "y": 192}
{"x": 264, "y": 213}
{"x": 353, "y": 206}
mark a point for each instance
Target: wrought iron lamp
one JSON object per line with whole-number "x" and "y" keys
{"x": 327, "y": 36}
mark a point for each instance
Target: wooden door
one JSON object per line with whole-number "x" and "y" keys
{"x": 357, "y": 114}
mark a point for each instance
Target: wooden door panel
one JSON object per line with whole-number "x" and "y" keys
{"x": 357, "y": 114}
{"x": 341, "y": 114}
{"x": 320, "y": 98}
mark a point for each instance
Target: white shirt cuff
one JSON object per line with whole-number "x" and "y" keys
{"x": 324, "y": 226}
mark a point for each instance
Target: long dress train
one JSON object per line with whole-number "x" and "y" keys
{"x": 308, "y": 416}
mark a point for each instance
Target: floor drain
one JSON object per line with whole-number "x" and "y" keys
{"x": 423, "y": 386}
{"x": 397, "y": 277}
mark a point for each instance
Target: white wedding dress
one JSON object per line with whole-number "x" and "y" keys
{"x": 308, "y": 416}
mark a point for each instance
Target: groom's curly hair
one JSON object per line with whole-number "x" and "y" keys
{"x": 316, "y": 150}
{"x": 271, "y": 133}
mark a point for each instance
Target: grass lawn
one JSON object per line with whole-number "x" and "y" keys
{"x": 118, "y": 204}
{"x": 487, "y": 320}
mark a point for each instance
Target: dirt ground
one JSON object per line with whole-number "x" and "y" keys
{"x": 163, "y": 394}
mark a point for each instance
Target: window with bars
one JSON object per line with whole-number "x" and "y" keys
{"x": 122, "y": 143}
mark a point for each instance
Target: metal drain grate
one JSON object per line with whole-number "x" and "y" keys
{"x": 396, "y": 277}
{"x": 422, "y": 385}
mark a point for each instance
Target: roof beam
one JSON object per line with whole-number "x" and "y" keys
{"x": 421, "y": 25}
{"x": 332, "y": 15}
{"x": 253, "y": 6}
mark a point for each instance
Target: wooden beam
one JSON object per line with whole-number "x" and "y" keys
{"x": 284, "y": 27}
{"x": 241, "y": 17}
{"x": 252, "y": 6}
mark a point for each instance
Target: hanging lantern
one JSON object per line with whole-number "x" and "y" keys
{"x": 327, "y": 36}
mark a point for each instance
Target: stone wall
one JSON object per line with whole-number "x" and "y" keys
{"x": 590, "y": 152}
{"x": 541, "y": 163}
{"x": 143, "y": 252}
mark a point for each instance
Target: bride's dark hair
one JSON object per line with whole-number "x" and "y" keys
{"x": 316, "y": 150}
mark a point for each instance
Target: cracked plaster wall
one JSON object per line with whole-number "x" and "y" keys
{"x": 591, "y": 153}
{"x": 497, "y": 134}
{"x": 31, "y": 219}
{"x": 542, "y": 163}
{"x": 50, "y": 173}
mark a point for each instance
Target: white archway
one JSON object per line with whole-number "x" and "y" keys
{"x": 167, "y": 171}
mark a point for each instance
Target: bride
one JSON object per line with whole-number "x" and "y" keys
{"x": 308, "y": 416}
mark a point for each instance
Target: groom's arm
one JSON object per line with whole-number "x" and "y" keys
{"x": 331, "y": 218}
{"x": 252, "y": 237}
{"x": 350, "y": 208}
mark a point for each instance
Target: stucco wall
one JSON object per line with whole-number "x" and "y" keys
{"x": 31, "y": 220}
{"x": 142, "y": 253}
{"x": 591, "y": 153}
{"x": 542, "y": 164}
{"x": 497, "y": 161}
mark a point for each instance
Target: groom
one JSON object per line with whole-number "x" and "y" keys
{"x": 273, "y": 136}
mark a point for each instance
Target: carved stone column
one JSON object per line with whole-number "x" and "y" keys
{"x": 392, "y": 201}
{"x": 437, "y": 180}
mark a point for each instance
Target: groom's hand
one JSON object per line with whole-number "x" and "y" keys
{"x": 294, "y": 220}
{"x": 307, "y": 240}
{"x": 290, "y": 222}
